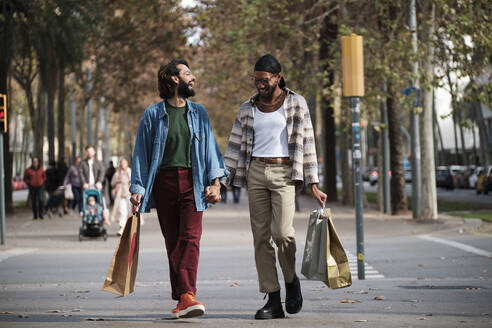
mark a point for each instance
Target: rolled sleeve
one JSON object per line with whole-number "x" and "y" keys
{"x": 220, "y": 174}
{"x": 136, "y": 189}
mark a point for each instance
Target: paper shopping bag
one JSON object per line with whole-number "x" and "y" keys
{"x": 339, "y": 275}
{"x": 324, "y": 257}
{"x": 122, "y": 272}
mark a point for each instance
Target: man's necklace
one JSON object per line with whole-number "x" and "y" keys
{"x": 271, "y": 106}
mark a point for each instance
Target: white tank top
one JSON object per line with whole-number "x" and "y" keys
{"x": 270, "y": 134}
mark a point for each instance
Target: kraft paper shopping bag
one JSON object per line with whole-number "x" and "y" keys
{"x": 324, "y": 257}
{"x": 122, "y": 272}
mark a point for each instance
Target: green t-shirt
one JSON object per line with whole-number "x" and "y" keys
{"x": 178, "y": 146}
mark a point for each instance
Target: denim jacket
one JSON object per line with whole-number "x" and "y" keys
{"x": 206, "y": 158}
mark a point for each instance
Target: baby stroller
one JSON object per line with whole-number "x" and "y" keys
{"x": 92, "y": 221}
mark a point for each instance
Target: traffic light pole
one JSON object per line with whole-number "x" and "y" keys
{"x": 2, "y": 193}
{"x": 357, "y": 156}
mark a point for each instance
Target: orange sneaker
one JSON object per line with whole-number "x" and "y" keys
{"x": 188, "y": 307}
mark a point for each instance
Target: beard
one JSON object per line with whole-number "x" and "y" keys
{"x": 267, "y": 93}
{"x": 184, "y": 89}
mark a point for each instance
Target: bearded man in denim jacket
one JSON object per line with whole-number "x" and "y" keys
{"x": 177, "y": 165}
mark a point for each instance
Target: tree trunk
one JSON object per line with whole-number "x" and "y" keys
{"x": 61, "y": 111}
{"x": 97, "y": 114}
{"x": 51, "y": 125}
{"x": 328, "y": 36}
{"x": 428, "y": 199}
{"x": 82, "y": 119}
{"x": 462, "y": 137}
{"x": 345, "y": 160}
{"x": 482, "y": 131}
{"x": 39, "y": 124}
{"x": 398, "y": 193}
{"x": 456, "y": 147}
{"x": 439, "y": 158}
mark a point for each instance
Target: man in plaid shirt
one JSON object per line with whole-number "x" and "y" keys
{"x": 271, "y": 150}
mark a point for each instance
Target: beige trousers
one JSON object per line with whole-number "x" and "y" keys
{"x": 271, "y": 194}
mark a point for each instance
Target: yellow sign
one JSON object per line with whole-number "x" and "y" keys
{"x": 353, "y": 66}
{"x": 360, "y": 256}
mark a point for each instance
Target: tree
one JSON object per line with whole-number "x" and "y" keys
{"x": 328, "y": 46}
{"x": 428, "y": 199}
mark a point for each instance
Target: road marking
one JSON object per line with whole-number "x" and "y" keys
{"x": 464, "y": 247}
{"x": 15, "y": 252}
{"x": 369, "y": 271}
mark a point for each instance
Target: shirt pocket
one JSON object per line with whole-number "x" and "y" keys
{"x": 156, "y": 147}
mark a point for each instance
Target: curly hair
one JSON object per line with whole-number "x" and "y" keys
{"x": 164, "y": 82}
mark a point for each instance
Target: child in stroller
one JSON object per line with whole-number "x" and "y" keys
{"x": 92, "y": 215}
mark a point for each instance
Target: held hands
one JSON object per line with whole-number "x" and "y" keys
{"x": 318, "y": 195}
{"x": 99, "y": 185}
{"x": 135, "y": 199}
{"x": 212, "y": 193}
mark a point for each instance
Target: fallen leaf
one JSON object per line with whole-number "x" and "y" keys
{"x": 421, "y": 265}
{"x": 22, "y": 316}
{"x": 94, "y": 319}
{"x": 235, "y": 284}
{"x": 380, "y": 298}
{"x": 422, "y": 318}
{"x": 362, "y": 320}
{"x": 55, "y": 311}
{"x": 428, "y": 314}
{"x": 156, "y": 295}
{"x": 80, "y": 291}
{"x": 346, "y": 300}
{"x": 77, "y": 310}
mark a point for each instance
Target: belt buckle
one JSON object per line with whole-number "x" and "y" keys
{"x": 278, "y": 161}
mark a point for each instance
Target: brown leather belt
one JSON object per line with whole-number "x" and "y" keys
{"x": 273, "y": 160}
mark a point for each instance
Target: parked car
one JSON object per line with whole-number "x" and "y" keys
{"x": 461, "y": 175}
{"x": 18, "y": 183}
{"x": 445, "y": 178}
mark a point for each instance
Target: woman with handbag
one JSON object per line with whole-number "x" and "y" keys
{"x": 120, "y": 184}
{"x": 72, "y": 183}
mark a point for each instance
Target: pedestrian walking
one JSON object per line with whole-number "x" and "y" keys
{"x": 177, "y": 165}
{"x": 236, "y": 194}
{"x": 271, "y": 149}
{"x": 91, "y": 170}
{"x": 62, "y": 170}
{"x": 120, "y": 188}
{"x": 35, "y": 177}
{"x": 109, "y": 176}
{"x": 52, "y": 177}
{"x": 73, "y": 179}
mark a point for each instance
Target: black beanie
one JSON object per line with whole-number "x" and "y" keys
{"x": 270, "y": 64}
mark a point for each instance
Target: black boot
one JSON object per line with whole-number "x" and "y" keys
{"x": 272, "y": 309}
{"x": 293, "y": 296}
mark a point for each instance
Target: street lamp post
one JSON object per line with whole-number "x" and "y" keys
{"x": 353, "y": 87}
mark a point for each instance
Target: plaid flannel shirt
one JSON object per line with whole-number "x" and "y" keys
{"x": 302, "y": 150}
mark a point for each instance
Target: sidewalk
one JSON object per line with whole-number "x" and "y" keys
{"x": 62, "y": 232}
{"x": 50, "y": 279}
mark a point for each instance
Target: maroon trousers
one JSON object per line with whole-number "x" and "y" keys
{"x": 181, "y": 227}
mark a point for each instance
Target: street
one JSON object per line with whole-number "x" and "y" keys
{"x": 455, "y": 195}
{"x": 423, "y": 275}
